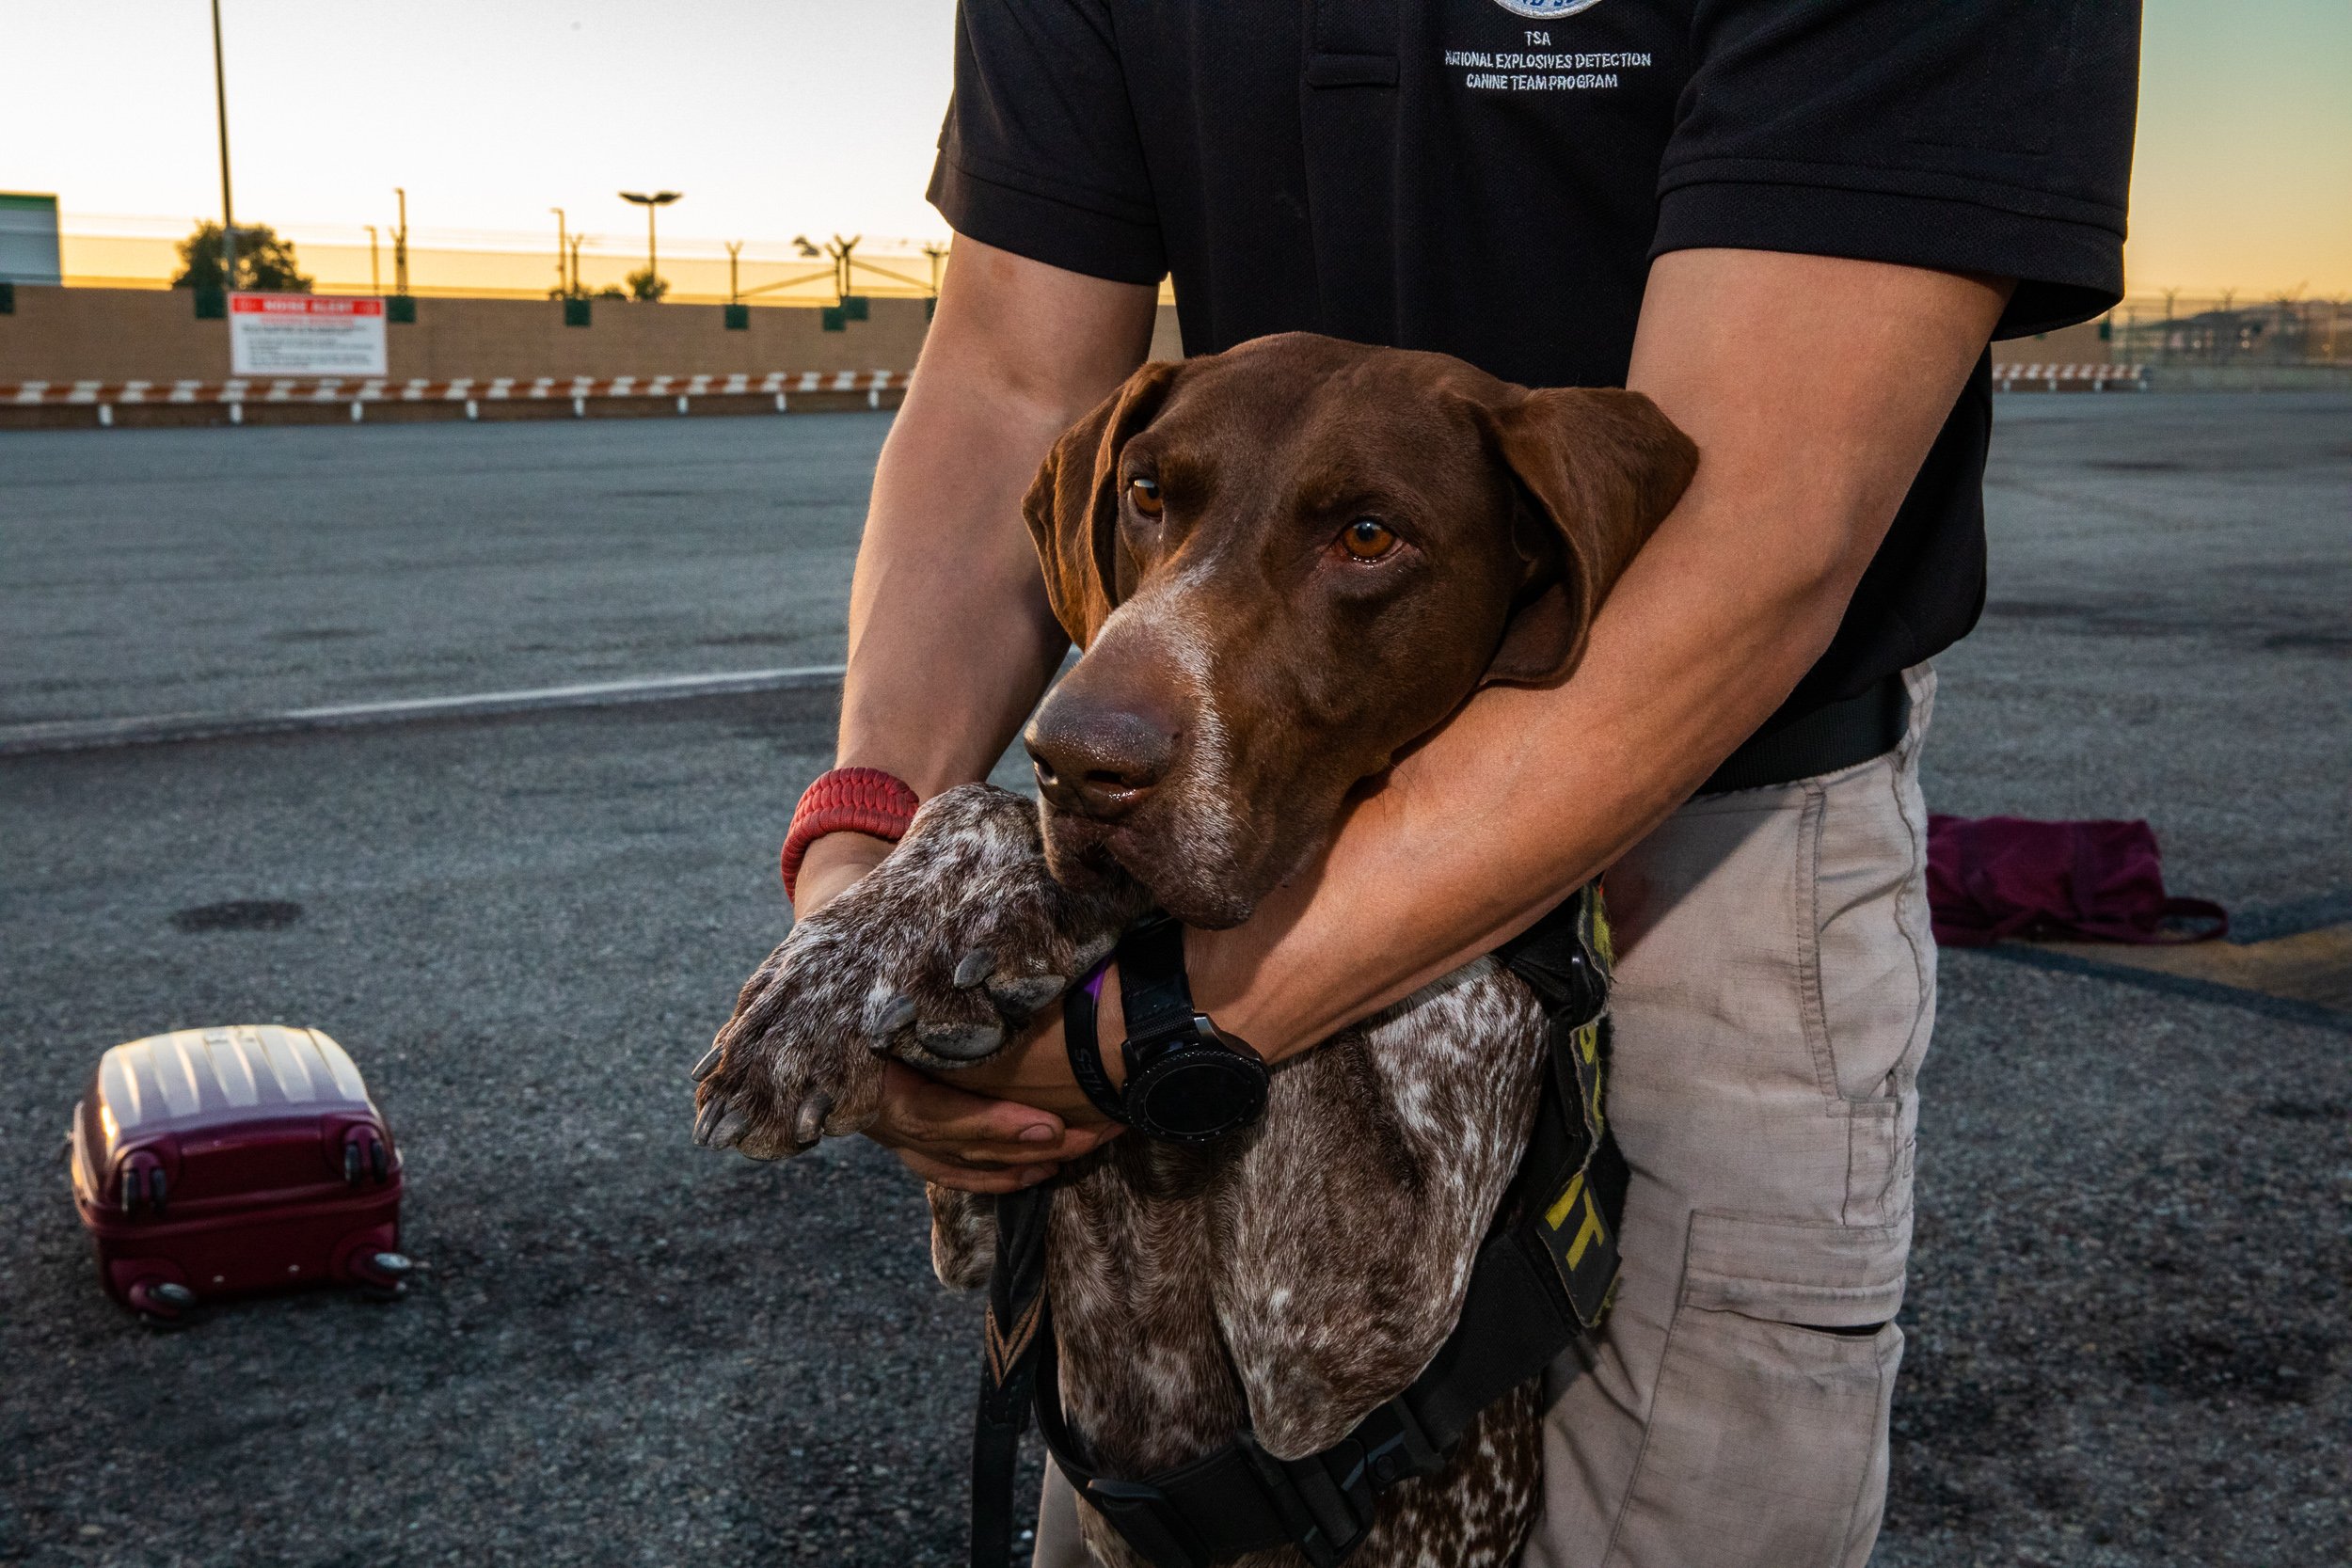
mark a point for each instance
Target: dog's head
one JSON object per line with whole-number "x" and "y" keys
{"x": 1287, "y": 562}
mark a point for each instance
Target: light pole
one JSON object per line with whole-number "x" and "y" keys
{"x": 376, "y": 277}
{"x": 399, "y": 245}
{"x": 650, "y": 203}
{"x": 562, "y": 249}
{"x": 735, "y": 295}
{"x": 839, "y": 251}
{"x": 228, "y": 209}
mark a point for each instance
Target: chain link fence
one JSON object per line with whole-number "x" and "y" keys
{"x": 816, "y": 269}
{"x": 2181, "y": 329}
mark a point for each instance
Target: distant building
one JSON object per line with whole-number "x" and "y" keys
{"x": 28, "y": 239}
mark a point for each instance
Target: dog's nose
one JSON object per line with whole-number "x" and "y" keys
{"x": 1098, "y": 762}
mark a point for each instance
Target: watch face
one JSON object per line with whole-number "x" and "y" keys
{"x": 1198, "y": 1093}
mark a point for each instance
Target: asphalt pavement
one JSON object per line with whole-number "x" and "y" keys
{"x": 2127, "y": 1340}
{"x": 170, "y": 571}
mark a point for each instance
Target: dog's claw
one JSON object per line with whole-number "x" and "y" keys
{"x": 891, "y": 1016}
{"x": 730, "y": 1128}
{"x": 960, "y": 1042}
{"x": 709, "y": 1119}
{"x": 809, "y": 1124}
{"x": 975, "y": 967}
{"x": 1024, "y": 996}
{"x": 708, "y": 1065}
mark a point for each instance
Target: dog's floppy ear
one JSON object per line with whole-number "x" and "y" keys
{"x": 1604, "y": 467}
{"x": 1073, "y": 504}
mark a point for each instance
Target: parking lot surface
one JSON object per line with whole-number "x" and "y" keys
{"x": 172, "y": 571}
{"x": 2127, "y": 1340}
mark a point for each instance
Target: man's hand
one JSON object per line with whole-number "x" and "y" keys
{"x": 979, "y": 1145}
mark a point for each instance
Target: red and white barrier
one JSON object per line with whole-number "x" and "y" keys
{"x": 472, "y": 392}
{"x": 2059, "y": 378}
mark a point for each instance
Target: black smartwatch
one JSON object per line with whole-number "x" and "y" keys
{"x": 1187, "y": 1081}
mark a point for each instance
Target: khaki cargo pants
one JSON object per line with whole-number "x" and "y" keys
{"x": 1774, "y": 992}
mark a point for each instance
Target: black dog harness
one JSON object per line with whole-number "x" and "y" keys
{"x": 1543, "y": 1277}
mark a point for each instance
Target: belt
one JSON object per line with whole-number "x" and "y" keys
{"x": 1823, "y": 741}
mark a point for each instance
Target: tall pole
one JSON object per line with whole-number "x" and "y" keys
{"x": 376, "y": 276}
{"x": 735, "y": 248}
{"x": 561, "y": 247}
{"x": 400, "y": 244}
{"x": 839, "y": 251}
{"x": 227, "y": 208}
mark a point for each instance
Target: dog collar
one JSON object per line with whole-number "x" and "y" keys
{"x": 1187, "y": 1080}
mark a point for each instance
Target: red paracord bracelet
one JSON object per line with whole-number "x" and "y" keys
{"x": 847, "y": 800}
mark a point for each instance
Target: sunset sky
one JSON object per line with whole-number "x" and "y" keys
{"x": 783, "y": 117}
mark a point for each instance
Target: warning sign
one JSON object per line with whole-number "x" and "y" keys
{"x": 306, "y": 335}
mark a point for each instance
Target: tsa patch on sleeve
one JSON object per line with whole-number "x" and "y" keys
{"x": 1544, "y": 9}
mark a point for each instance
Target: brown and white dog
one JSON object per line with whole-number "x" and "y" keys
{"x": 1285, "y": 564}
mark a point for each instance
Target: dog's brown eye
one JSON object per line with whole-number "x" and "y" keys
{"x": 1147, "y": 495}
{"x": 1367, "y": 539}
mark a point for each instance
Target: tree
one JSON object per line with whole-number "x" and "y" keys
{"x": 643, "y": 284}
{"x": 263, "y": 260}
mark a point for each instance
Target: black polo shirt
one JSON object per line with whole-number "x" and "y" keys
{"x": 1491, "y": 179}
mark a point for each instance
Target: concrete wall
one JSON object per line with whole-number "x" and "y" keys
{"x": 2079, "y": 344}
{"x": 147, "y": 334}
{"x": 153, "y": 334}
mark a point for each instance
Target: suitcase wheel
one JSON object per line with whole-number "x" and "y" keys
{"x": 383, "y": 1276}
{"x": 162, "y": 1302}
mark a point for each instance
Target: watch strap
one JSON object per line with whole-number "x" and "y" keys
{"x": 1153, "y": 990}
{"x": 1080, "y": 1008}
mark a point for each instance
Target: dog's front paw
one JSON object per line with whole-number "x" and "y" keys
{"x": 935, "y": 956}
{"x": 966, "y": 933}
{"x": 792, "y": 1066}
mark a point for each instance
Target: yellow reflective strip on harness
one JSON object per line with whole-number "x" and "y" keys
{"x": 1557, "y": 1215}
{"x": 1571, "y": 1200}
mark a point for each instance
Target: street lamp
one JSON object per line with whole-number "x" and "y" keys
{"x": 562, "y": 245}
{"x": 228, "y": 211}
{"x": 658, "y": 199}
{"x": 399, "y": 245}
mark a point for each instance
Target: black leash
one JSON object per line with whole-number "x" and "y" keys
{"x": 1017, "y": 1325}
{"x": 1544, "y": 1275}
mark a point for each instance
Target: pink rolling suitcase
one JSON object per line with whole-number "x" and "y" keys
{"x": 215, "y": 1161}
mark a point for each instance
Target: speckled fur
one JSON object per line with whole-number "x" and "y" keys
{"x": 1289, "y": 1280}
{"x": 888, "y": 968}
{"x": 1298, "y": 1275}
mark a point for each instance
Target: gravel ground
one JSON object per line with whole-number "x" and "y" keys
{"x": 621, "y": 1349}
{"x": 2127, "y": 1341}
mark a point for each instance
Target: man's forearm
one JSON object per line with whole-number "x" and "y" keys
{"x": 1814, "y": 388}
{"x": 950, "y": 637}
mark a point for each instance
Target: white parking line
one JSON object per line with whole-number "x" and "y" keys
{"x": 90, "y": 735}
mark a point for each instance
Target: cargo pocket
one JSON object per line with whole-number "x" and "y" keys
{"x": 1767, "y": 1438}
